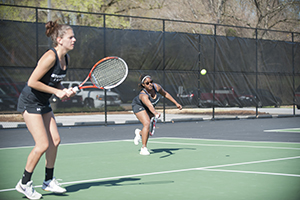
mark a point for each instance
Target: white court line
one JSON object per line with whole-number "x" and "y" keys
{"x": 218, "y": 145}
{"x": 69, "y": 144}
{"x": 251, "y": 172}
{"x": 219, "y": 140}
{"x": 287, "y": 130}
{"x": 130, "y": 140}
{"x": 185, "y": 170}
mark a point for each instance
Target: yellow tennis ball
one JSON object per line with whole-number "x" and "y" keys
{"x": 203, "y": 71}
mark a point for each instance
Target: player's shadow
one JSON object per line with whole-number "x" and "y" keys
{"x": 52, "y": 194}
{"x": 111, "y": 183}
{"x": 82, "y": 186}
{"x": 169, "y": 151}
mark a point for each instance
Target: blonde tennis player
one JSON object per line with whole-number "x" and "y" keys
{"x": 36, "y": 110}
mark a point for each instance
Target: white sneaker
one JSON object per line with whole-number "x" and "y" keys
{"x": 53, "y": 186}
{"x": 137, "y": 137}
{"x": 28, "y": 190}
{"x": 144, "y": 151}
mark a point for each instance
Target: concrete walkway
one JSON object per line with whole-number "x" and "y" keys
{"x": 197, "y": 115}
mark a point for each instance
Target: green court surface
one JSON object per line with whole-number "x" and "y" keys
{"x": 177, "y": 168}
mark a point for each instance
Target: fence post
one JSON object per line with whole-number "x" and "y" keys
{"x": 214, "y": 77}
{"x": 199, "y": 70}
{"x": 104, "y": 51}
{"x": 256, "y": 68}
{"x": 164, "y": 72}
{"x": 37, "y": 33}
{"x": 293, "y": 67}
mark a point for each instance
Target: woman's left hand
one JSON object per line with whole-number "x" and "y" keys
{"x": 70, "y": 92}
{"x": 179, "y": 106}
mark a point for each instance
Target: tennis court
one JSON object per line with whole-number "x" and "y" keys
{"x": 178, "y": 167}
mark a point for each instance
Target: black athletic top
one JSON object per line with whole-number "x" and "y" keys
{"x": 31, "y": 97}
{"x": 154, "y": 101}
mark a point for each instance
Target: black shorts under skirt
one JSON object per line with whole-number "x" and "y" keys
{"x": 31, "y": 105}
{"x": 138, "y": 108}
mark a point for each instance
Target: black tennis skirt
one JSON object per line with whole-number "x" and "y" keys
{"x": 32, "y": 102}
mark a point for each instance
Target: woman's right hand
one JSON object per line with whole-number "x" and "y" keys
{"x": 157, "y": 115}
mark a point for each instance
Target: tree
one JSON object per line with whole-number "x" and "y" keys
{"x": 265, "y": 14}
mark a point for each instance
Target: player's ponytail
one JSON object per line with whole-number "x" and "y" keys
{"x": 55, "y": 30}
{"x": 51, "y": 28}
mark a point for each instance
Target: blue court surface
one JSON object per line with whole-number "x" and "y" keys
{"x": 207, "y": 161}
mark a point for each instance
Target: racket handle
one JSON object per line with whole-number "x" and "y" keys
{"x": 75, "y": 89}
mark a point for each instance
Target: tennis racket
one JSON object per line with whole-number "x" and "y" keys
{"x": 152, "y": 125}
{"x": 107, "y": 73}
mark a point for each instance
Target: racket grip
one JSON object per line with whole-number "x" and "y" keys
{"x": 75, "y": 89}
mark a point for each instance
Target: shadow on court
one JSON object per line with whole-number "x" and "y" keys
{"x": 52, "y": 194}
{"x": 119, "y": 182}
{"x": 169, "y": 151}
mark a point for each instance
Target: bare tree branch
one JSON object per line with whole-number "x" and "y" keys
{"x": 192, "y": 9}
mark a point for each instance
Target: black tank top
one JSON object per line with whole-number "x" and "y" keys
{"x": 51, "y": 78}
{"x": 55, "y": 74}
{"x": 154, "y": 101}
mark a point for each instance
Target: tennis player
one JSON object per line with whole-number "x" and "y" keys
{"x": 143, "y": 107}
{"x": 36, "y": 110}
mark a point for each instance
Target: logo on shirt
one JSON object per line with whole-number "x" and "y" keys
{"x": 57, "y": 77}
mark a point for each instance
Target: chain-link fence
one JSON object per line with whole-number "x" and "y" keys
{"x": 245, "y": 67}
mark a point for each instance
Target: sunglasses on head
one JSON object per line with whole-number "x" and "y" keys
{"x": 147, "y": 83}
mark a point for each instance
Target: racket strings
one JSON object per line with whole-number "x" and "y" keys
{"x": 108, "y": 73}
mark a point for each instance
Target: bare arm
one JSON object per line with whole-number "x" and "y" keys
{"x": 144, "y": 98}
{"x": 44, "y": 65}
{"x": 70, "y": 92}
{"x": 168, "y": 96}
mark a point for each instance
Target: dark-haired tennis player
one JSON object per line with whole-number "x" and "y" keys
{"x": 143, "y": 107}
{"x": 35, "y": 107}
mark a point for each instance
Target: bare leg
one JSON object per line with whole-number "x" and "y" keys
{"x": 53, "y": 137}
{"x": 36, "y": 127}
{"x": 50, "y": 183}
{"x": 144, "y": 118}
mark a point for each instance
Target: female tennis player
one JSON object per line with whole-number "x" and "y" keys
{"x": 143, "y": 107}
{"x": 36, "y": 110}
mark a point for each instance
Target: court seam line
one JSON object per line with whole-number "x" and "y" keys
{"x": 69, "y": 144}
{"x": 287, "y": 130}
{"x": 235, "y": 146}
{"x": 173, "y": 171}
{"x": 251, "y": 172}
{"x": 226, "y": 140}
{"x": 151, "y": 141}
